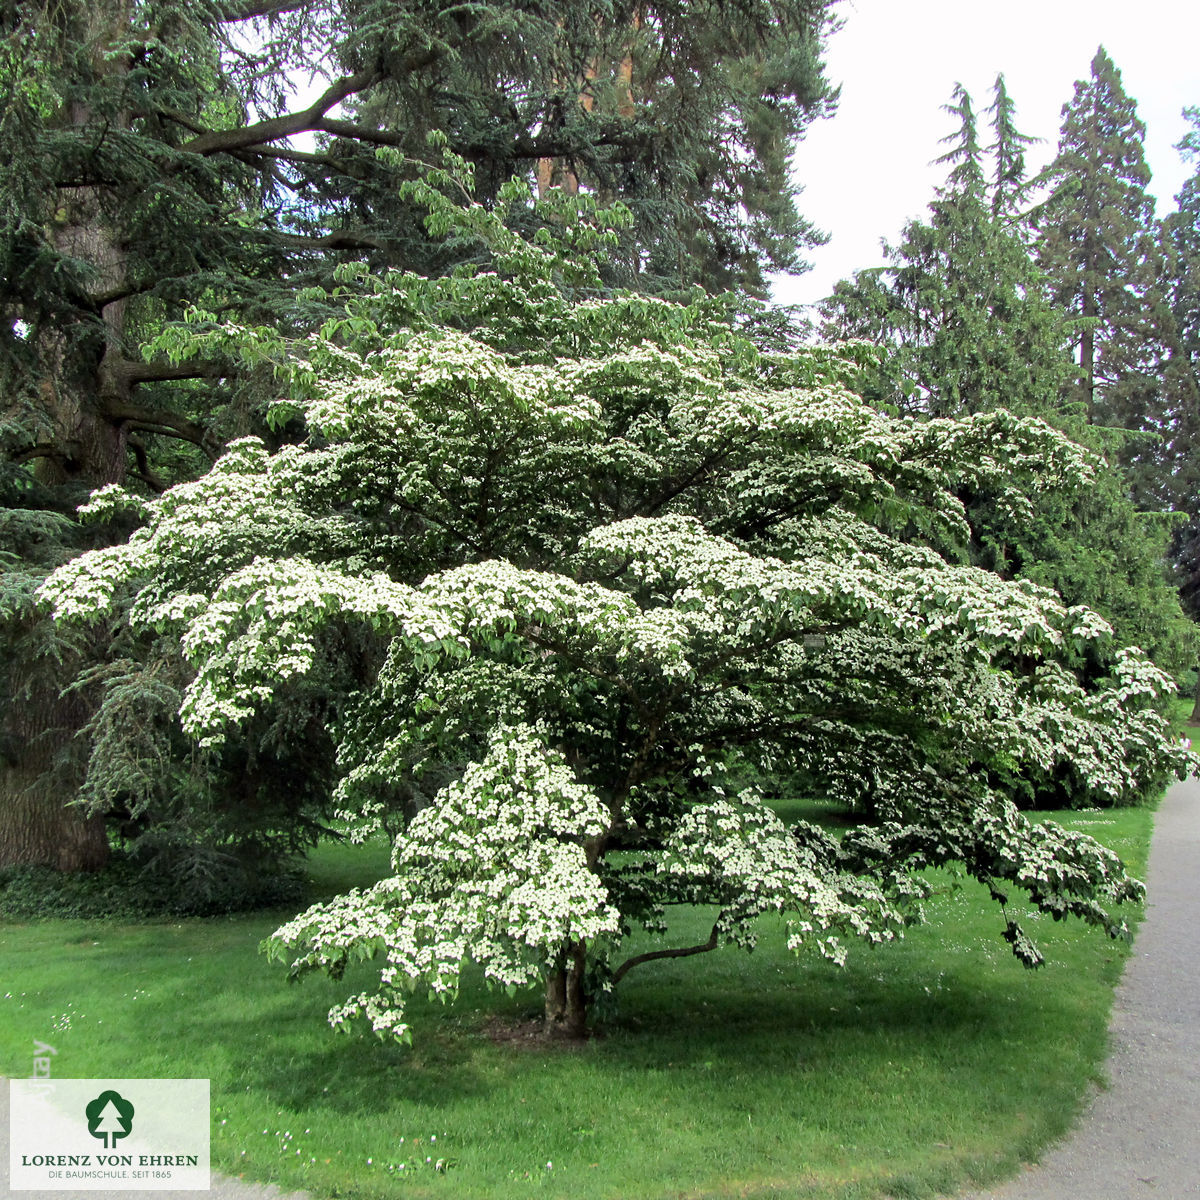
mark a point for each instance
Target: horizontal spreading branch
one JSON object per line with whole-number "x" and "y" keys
{"x": 337, "y": 239}
{"x": 160, "y": 372}
{"x": 101, "y": 300}
{"x": 288, "y": 124}
{"x": 247, "y": 10}
{"x": 287, "y": 154}
{"x": 41, "y": 450}
{"x": 189, "y": 122}
{"x": 651, "y": 955}
{"x": 157, "y": 421}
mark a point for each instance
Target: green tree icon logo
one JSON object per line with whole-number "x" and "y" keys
{"x": 109, "y": 1116}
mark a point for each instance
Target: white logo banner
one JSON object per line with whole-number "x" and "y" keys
{"x": 108, "y": 1134}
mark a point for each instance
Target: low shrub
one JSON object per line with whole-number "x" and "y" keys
{"x": 129, "y": 889}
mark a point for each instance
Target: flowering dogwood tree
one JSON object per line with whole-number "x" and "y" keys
{"x": 618, "y": 565}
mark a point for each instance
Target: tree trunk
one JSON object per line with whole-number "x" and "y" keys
{"x": 86, "y": 380}
{"x": 81, "y": 380}
{"x": 552, "y": 172}
{"x": 1087, "y": 355}
{"x": 90, "y": 448}
{"x": 566, "y": 999}
{"x": 1194, "y": 719}
{"x": 38, "y": 724}
{"x": 37, "y": 828}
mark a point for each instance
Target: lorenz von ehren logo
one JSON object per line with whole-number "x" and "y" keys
{"x": 108, "y": 1135}
{"x": 109, "y": 1116}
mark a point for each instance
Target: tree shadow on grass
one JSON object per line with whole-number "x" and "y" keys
{"x": 671, "y": 1022}
{"x": 355, "y": 1072}
{"x": 661, "y": 1019}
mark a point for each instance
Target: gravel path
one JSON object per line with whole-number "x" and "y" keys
{"x": 1140, "y": 1139}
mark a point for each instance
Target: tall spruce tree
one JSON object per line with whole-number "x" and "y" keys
{"x": 150, "y": 167}
{"x": 1128, "y": 277}
{"x": 970, "y": 326}
{"x": 960, "y": 304}
{"x": 1171, "y": 465}
{"x": 1097, "y": 244}
{"x": 1182, "y": 235}
{"x": 1008, "y": 147}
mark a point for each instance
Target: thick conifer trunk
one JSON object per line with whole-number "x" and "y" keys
{"x": 1087, "y": 354}
{"x": 37, "y": 828}
{"x": 39, "y": 724}
{"x": 82, "y": 383}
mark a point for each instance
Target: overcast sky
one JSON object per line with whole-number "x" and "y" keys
{"x": 866, "y": 170}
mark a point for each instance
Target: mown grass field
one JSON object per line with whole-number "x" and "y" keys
{"x": 920, "y": 1067}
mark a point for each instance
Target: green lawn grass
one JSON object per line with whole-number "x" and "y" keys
{"x": 1179, "y": 710}
{"x": 920, "y": 1067}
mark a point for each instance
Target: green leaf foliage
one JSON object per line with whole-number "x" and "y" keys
{"x": 153, "y": 171}
{"x": 616, "y": 562}
{"x": 971, "y": 324}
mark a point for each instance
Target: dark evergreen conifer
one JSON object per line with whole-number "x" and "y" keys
{"x": 970, "y": 326}
{"x": 1170, "y": 466}
{"x": 960, "y": 303}
{"x": 150, "y": 165}
{"x": 1008, "y": 152}
{"x": 1097, "y": 245}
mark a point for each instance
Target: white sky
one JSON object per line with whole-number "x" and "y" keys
{"x": 865, "y": 171}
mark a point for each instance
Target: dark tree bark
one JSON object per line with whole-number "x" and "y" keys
{"x": 1087, "y": 355}
{"x": 566, "y": 996}
{"x": 82, "y": 384}
{"x": 40, "y": 830}
{"x": 37, "y": 827}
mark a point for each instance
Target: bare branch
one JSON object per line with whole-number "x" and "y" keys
{"x": 160, "y": 372}
{"x": 42, "y": 450}
{"x": 157, "y": 421}
{"x": 225, "y": 140}
{"x": 246, "y": 10}
{"x": 339, "y": 239}
{"x": 651, "y": 955}
{"x": 287, "y": 154}
{"x": 359, "y": 133}
{"x": 188, "y": 122}
{"x": 144, "y": 472}
{"x": 101, "y": 301}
